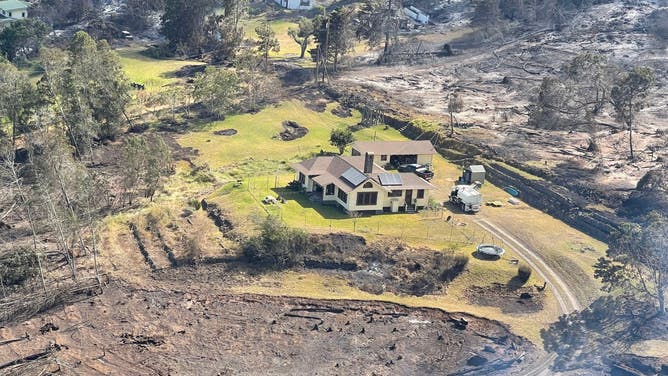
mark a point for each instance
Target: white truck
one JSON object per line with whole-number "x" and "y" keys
{"x": 467, "y": 197}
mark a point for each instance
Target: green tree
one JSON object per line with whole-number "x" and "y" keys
{"x": 138, "y": 12}
{"x": 88, "y": 89}
{"x": 217, "y": 89}
{"x": 334, "y": 37}
{"x": 18, "y": 99}
{"x": 235, "y": 11}
{"x": 158, "y": 165}
{"x": 267, "y": 41}
{"x": 627, "y": 97}
{"x": 277, "y": 245}
{"x": 302, "y": 35}
{"x": 183, "y": 23}
{"x": 340, "y": 138}
{"x": 636, "y": 261}
{"x": 23, "y": 38}
{"x": 144, "y": 163}
{"x": 222, "y": 37}
{"x": 378, "y": 20}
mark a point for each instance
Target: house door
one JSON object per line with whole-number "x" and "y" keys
{"x": 409, "y": 198}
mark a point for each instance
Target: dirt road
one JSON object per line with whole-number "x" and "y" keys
{"x": 562, "y": 292}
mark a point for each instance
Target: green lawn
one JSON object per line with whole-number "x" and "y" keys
{"x": 289, "y": 49}
{"x": 255, "y": 149}
{"x": 261, "y": 161}
{"x": 154, "y": 73}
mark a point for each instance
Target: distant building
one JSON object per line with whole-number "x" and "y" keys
{"x": 397, "y": 152}
{"x": 295, "y": 4}
{"x": 12, "y": 10}
{"x": 416, "y": 15}
{"x": 357, "y": 184}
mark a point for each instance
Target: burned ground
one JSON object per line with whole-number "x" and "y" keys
{"x": 498, "y": 77}
{"x": 204, "y": 330}
{"x": 508, "y": 298}
{"x": 292, "y": 131}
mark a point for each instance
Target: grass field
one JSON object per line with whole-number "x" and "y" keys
{"x": 260, "y": 161}
{"x": 153, "y": 73}
{"x": 288, "y": 47}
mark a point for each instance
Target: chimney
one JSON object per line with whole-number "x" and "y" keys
{"x": 368, "y": 163}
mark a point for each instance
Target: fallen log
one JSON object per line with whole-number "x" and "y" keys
{"x": 31, "y": 358}
{"x": 304, "y": 317}
{"x": 7, "y": 342}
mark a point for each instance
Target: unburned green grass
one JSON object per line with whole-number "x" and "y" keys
{"x": 153, "y": 73}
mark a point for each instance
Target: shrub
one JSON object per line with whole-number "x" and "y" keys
{"x": 202, "y": 174}
{"x": 17, "y": 267}
{"x": 277, "y": 246}
{"x": 195, "y": 203}
{"x": 523, "y": 273}
{"x": 192, "y": 250}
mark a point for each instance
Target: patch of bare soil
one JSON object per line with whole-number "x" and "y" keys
{"x": 292, "y": 131}
{"x": 226, "y": 132}
{"x": 203, "y": 330}
{"x": 508, "y": 298}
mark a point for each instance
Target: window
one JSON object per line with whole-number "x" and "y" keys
{"x": 302, "y": 178}
{"x": 305, "y": 3}
{"x": 10, "y": 14}
{"x": 367, "y": 198}
{"x": 23, "y": 14}
{"x": 420, "y": 193}
{"x": 383, "y": 157}
{"x": 343, "y": 196}
{"x": 329, "y": 190}
{"x": 396, "y": 193}
{"x": 368, "y": 185}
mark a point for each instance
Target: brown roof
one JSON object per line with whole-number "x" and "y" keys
{"x": 328, "y": 170}
{"x": 395, "y": 147}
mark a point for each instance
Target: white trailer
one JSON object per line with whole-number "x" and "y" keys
{"x": 467, "y": 197}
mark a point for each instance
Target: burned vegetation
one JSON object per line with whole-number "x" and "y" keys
{"x": 378, "y": 267}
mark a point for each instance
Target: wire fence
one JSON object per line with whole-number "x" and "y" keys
{"x": 433, "y": 226}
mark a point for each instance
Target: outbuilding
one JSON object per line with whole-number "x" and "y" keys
{"x": 397, "y": 153}
{"x": 473, "y": 173}
{"x": 295, "y": 4}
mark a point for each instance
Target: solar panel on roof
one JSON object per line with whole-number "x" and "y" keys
{"x": 390, "y": 179}
{"x": 353, "y": 176}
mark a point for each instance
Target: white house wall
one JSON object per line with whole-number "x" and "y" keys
{"x": 294, "y": 4}
{"x": 383, "y": 200}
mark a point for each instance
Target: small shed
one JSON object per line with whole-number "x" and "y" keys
{"x": 295, "y": 4}
{"x": 416, "y": 15}
{"x": 474, "y": 173}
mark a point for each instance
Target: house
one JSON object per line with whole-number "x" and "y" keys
{"x": 295, "y": 4}
{"x": 358, "y": 184}
{"x": 397, "y": 152}
{"x": 12, "y": 10}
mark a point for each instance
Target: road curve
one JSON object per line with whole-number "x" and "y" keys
{"x": 568, "y": 302}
